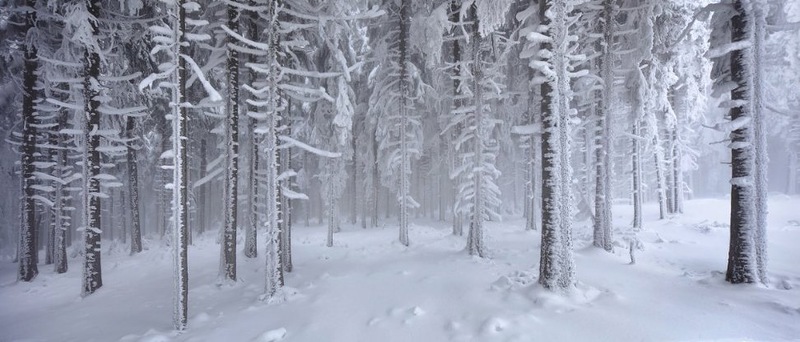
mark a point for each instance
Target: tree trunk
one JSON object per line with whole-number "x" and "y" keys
{"x": 180, "y": 175}
{"x": 636, "y": 173}
{"x": 133, "y": 189}
{"x": 475, "y": 243}
{"x": 27, "y": 251}
{"x": 747, "y": 250}
{"x": 604, "y": 147}
{"x": 458, "y": 222}
{"x": 232, "y": 154}
{"x": 405, "y": 167}
{"x": 556, "y": 267}
{"x": 92, "y": 273}
{"x": 62, "y": 219}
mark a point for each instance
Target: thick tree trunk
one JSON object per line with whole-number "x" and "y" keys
{"x": 556, "y": 267}
{"x": 27, "y": 250}
{"x": 747, "y": 250}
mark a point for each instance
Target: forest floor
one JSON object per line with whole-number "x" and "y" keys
{"x": 370, "y": 288}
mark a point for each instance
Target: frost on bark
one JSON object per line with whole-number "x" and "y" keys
{"x": 475, "y": 241}
{"x": 228, "y": 244}
{"x": 556, "y": 269}
{"x": 92, "y": 276}
{"x": 28, "y": 251}
{"x": 458, "y": 217}
{"x": 61, "y": 219}
{"x": 251, "y": 233}
{"x": 405, "y": 167}
{"x": 603, "y": 147}
{"x": 747, "y": 249}
{"x": 133, "y": 188}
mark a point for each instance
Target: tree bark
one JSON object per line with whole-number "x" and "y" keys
{"x": 232, "y": 154}
{"x": 92, "y": 273}
{"x": 27, "y": 251}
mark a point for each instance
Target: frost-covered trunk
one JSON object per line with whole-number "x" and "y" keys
{"x": 133, "y": 188}
{"x": 250, "y": 237}
{"x": 285, "y": 221}
{"x": 228, "y": 243}
{"x": 92, "y": 275}
{"x": 180, "y": 204}
{"x": 475, "y": 243}
{"x": 274, "y": 272}
{"x": 61, "y": 218}
{"x": 202, "y": 216}
{"x": 27, "y": 251}
{"x": 636, "y": 174}
{"x": 759, "y": 27}
{"x": 376, "y": 187}
{"x": 403, "y": 194}
{"x": 603, "y": 147}
{"x": 747, "y": 250}
{"x": 556, "y": 268}
{"x": 458, "y": 221}
{"x": 661, "y": 185}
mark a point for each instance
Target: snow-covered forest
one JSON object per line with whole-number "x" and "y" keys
{"x": 399, "y": 170}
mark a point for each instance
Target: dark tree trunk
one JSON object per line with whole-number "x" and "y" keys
{"x": 133, "y": 188}
{"x": 741, "y": 253}
{"x": 92, "y": 273}
{"x": 455, "y": 9}
{"x": 232, "y": 154}
{"x": 181, "y": 187}
{"x": 62, "y": 196}
{"x": 27, "y": 251}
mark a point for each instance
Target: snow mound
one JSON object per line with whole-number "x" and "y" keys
{"x": 150, "y": 336}
{"x": 272, "y": 335}
{"x": 494, "y": 325}
{"x": 581, "y": 295}
{"x": 706, "y": 227}
{"x": 515, "y": 280}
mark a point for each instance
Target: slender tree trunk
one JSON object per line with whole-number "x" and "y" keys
{"x": 232, "y": 153}
{"x": 133, "y": 191}
{"x": 62, "y": 219}
{"x": 661, "y": 188}
{"x": 455, "y": 9}
{"x": 202, "y": 202}
{"x": 636, "y": 173}
{"x": 92, "y": 273}
{"x": 405, "y": 167}
{"x": 376, "y": 187}
{"x": 475, "y": 244}
{"x": 180, "y": 173}
{"x": 27, "y": 251}
{"x": 603, "y": 146}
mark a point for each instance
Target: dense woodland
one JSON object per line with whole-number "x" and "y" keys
{"x": 133, "y": 123}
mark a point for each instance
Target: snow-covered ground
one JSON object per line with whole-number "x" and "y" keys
{"x": 370, "y": 288}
